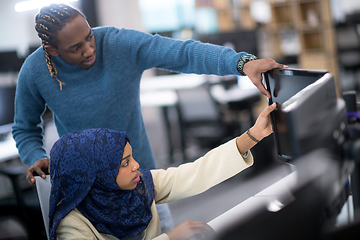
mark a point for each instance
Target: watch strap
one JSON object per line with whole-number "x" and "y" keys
{"x": 244, "y": 59}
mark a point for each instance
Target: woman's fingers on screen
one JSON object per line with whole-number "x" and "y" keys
{"x": 269, "y": 109}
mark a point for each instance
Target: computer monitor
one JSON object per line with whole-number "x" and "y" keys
{"x": 283, "y": 85}
{"x": 314, "y": 122}
{"x": 7, "y": 97}
{"x": 10, "y": 62}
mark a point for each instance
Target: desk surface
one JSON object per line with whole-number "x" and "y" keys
{"x": 8, "y": 149}
{"x": 171, "y": 82}
{"x": 161, "y": 90}
{"x": 163, "y": 98}
{"x": 234, "y": 94}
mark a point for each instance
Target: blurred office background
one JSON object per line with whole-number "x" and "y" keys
{"x": 185, "y": 119}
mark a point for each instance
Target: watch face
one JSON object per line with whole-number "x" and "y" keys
{"x": 250, "y": 57}
{"x": 247, "y": 57}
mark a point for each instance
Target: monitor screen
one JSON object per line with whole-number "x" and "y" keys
{"x": 282, "y": 85}
{"x": 7, "y": 97}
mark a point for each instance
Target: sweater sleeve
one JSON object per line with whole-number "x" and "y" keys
{"x": 196, "y": 177}
{"x": 155, "y": 51}
{"x": 191, "y": 56}
{"x": 29, "y": 106}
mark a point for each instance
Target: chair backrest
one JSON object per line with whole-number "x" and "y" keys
{"x": 196, "y": 104}
{"x": 43, "y": 187}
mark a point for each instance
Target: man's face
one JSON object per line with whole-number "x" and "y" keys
{"x": 76, "y": 44}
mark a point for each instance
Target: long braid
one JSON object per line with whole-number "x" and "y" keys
{"x": 48, "y": 22}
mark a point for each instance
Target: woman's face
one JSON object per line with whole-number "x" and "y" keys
{"x": 76, "y": 44}
{"x": 128, "y": 176}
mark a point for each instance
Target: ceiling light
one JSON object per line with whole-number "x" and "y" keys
{"x": 36, "y": 4}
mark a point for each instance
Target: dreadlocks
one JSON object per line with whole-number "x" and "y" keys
{"x": 48, "y": 22}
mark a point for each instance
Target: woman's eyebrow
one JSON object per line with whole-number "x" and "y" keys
{"x": 126, "y": 157}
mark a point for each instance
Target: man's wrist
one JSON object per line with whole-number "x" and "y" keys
{"x": 244, "y": 59}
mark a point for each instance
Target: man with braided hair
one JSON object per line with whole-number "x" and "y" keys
{"x": 47, "y": 24}
{"x": 90, "y": 78}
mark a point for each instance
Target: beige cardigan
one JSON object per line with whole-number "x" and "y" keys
{"x": 172, "y": 184}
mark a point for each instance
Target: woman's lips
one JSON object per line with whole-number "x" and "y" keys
{"x": 136, "y": 178}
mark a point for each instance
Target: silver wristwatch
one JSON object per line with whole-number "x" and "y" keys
{"x": 244, "y": 59}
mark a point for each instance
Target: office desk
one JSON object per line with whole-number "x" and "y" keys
{"x": 8, "y": 150}
{"x": 162, "y": 99}
{"x": 171, "y": 82}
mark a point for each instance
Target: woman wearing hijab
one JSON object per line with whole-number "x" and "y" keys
{"x": 106, "y": 196}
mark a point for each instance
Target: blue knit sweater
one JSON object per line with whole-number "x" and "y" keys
{"x": 107, "y": 94}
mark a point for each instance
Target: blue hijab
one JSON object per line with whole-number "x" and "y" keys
{"x": 83, "y": 170}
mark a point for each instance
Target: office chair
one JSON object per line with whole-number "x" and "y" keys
{"x": 201, "y": 120}
{"x": 25, "y": 205}
{"x": 12, "y": 227}
{"x": 43, "y": 187}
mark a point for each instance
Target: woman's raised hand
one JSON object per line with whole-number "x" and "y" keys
{"x": 263, "y": 126}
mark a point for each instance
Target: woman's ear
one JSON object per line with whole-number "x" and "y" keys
{"x": 51, "y": 50}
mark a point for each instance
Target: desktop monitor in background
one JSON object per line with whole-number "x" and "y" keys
{"x": 282, "y": 85}
{"x": 10, "y": 62}
{"x": 7, "y": 97}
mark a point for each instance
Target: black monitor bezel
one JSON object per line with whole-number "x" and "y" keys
{"x": 286, "y": 72}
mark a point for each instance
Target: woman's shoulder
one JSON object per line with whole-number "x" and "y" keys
{"x": 75, "y": 225}
{"x": 75, "y": 216}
